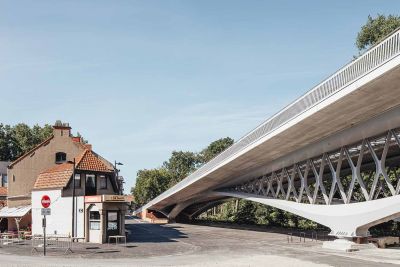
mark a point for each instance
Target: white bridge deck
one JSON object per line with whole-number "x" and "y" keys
{"x": 341, "y": 110}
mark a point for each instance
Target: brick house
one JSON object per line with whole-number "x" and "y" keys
{"x": 98, "y": 211}
{"x": 47, "y": 167}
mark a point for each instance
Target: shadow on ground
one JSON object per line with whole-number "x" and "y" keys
{"x": 153, "y": 233}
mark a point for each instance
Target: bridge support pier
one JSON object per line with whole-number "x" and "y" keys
{"x": 175, "y": 213}
{"x": 346, "y": 244}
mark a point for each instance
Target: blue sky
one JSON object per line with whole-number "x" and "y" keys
{"x": 139, "y": 79}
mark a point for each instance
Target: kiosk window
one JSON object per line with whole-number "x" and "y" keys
{"x": 94, "y": 218}
{"x": 112, "y": 220}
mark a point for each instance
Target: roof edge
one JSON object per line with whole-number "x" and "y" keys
{"x": 30, "y": 151}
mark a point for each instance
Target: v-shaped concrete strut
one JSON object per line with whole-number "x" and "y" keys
{"x": 344, "y": 220}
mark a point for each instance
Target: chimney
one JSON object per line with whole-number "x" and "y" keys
{"x": 76, "y": 139}
{"x": 61, "y": 129}
{"x": 88, "y": 146}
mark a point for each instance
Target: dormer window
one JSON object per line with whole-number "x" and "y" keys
{"x": 61, "y": 157}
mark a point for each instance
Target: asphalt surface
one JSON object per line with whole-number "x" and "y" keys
{"x": 195, "y": 245}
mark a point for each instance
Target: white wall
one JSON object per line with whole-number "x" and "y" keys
{"x": 60, "y": 220}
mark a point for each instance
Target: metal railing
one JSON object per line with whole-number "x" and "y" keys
{"x": 364, "y": 64}
{"x": 313, "y": 236}
{"x": 63, "y": 243}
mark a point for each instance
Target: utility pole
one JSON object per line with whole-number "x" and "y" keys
{"x": 73, "y": 200}
{"x": 44, "y": 235}
{"x": 117, "y": 176}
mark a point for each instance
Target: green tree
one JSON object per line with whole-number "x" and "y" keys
{"x": 214, "y": 149}
{"x": 150, "y": 184}
{"x": 262, "y": 214}
{"x": 246, "y": 212}
{"x": 40, "y": 134}
{"x": 180, "y": 165}
{"x": 8, "y": 145}
{"x": 375, "y": 30}
{"x": 24, "y": 137}
{"x": 20, "y": 138}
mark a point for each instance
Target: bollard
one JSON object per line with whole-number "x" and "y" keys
{"x": 304, "y": 236}
{"x": 289, "y": 237}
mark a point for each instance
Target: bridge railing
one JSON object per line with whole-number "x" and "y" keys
{"x": 354, "y": 70}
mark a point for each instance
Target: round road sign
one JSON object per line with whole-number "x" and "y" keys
{"x": 45, "y": 201}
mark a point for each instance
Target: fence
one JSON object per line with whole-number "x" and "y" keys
{"x": 59, "y": 242}
{"x": 312, "y": 236}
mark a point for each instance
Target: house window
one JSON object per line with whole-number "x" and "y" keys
{"x": 103, "y": 182}
{"x": 61, "y": 157}
{"x": 4, "y": 180}
{"x": 77, "y": 180}
{"x": 94, "y": 218}
{"x": 13, "y": 178}
{"x": 90, "y": 185}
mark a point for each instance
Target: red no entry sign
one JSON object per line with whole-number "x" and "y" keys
{"x": 45, "y": 201}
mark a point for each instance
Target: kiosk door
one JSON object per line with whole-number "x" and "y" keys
{"x": 113, "y": 225}
{"x": 94, "y": 225}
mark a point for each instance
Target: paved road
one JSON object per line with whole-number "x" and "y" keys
{"x": 193, "y": 245}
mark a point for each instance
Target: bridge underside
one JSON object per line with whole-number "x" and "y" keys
{"x": 348, "y": 189}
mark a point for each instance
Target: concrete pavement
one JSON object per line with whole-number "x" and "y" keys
{"x": 194, "y": 245}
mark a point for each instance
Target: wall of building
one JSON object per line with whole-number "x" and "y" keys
{"x": 3, "y": 173}
{"x": 27, "y": 170}
{"x": 60, "y": 220}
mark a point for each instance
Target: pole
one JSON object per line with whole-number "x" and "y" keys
{"x": 73, "y": 201}
{"x": 116, "y": 178}
{"x": 44, "y": 235}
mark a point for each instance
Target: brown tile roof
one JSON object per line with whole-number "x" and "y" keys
{"x": 30, "y": 151}
{"x": 89, "y": 161}
{"x": 55, "y": 177}
{"x": 59, "y": 175}
{"x": 3, "y": 191}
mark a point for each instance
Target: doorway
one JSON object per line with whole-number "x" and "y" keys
{"x": 94, "y": 225}
{"x": 112, "y": 223}
{"x": 3, "y": 225}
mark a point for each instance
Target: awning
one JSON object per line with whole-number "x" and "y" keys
{"x": 15, "y": 212}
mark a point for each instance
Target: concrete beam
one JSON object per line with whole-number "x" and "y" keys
{"x": 344, "y": 220}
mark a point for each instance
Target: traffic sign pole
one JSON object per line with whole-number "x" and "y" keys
{"x": 45, "y": 204}
{"x": 44, "y": 235}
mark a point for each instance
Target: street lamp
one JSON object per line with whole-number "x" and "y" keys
{"x": 73, "y": 200}
{"x": 116, "y": 169}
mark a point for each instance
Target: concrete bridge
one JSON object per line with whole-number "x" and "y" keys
{"x": 332, "y": 156}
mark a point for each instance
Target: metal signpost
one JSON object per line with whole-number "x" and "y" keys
{"x": 45, "y": 211}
